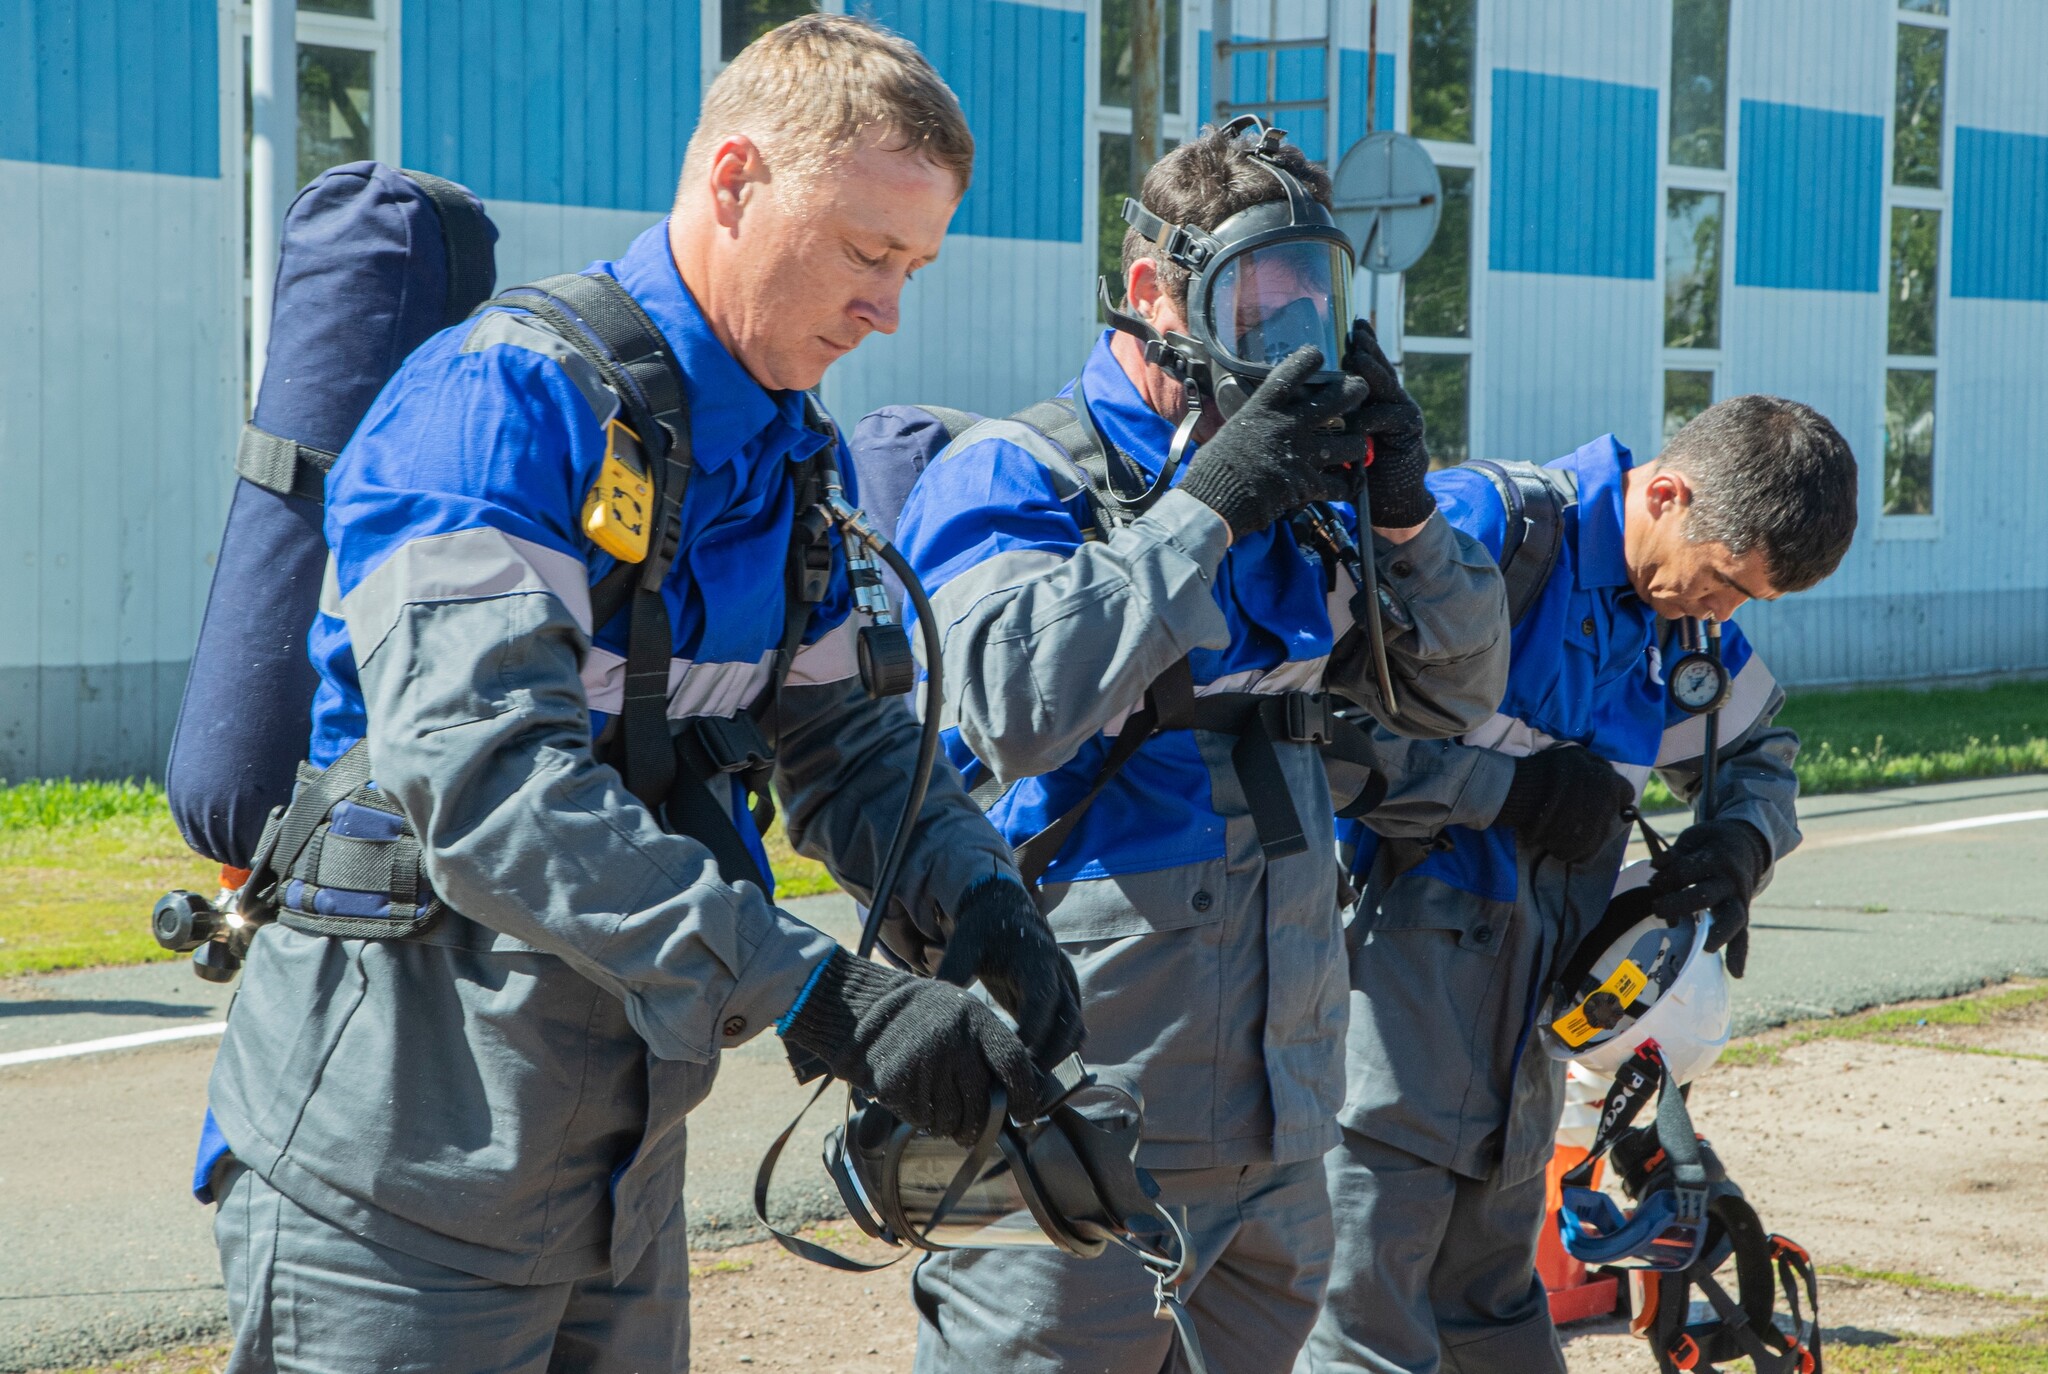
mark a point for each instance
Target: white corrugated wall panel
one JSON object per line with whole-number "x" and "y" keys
{"x": 117, "y": 429}
{"x": 536, "y": 240}
{"x": 992, "y": 326}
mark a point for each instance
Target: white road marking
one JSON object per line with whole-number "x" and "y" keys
{"x": 1937, "y": 828}
{"x": 112, "y": 1042}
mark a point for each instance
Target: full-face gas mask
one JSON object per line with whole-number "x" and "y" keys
{"x": 1266, "y": 281}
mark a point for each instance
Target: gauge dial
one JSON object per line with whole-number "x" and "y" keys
{"x": 1699, "y": 683}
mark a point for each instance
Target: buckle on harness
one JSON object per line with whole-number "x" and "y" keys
{"x": 732, "y": 744}
{"x": 1308, "y": 718}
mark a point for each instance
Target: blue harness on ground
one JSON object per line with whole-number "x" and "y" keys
{"x": 1689, "y": 1220}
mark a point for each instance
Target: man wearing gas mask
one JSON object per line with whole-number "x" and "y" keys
{"x": 1456, "y": 1043}
{"x": 1145, "y": 590}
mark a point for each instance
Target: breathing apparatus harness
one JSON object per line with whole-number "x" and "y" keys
{"x": 342, "y": 860}
{"x": 1689, "y": 1219}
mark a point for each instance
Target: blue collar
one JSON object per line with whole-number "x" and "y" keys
{"x": 729, "y": 410}
{"x": 1602, "y": 560}
{"x": 1133, "y": 426}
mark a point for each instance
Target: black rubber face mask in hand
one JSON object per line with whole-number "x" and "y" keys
{"x": 1392, "y": 420}
{"x": 1715, "y": 867}
{"x": 1566, "y": 801}
{"x": 1280, "y": 451}
{"x": 1000, "y": 937}
{"x": 924, "y": 1049}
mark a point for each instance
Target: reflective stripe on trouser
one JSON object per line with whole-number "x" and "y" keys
{"x": 306, "y": 1296}
{"x": 1262, "y": 1232}
{"x": 1435, "y": 1273}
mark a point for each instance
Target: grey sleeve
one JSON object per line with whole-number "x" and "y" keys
{"x": 1044, "y": 649}
{"x": 843, "y": 767}
{"x": 1450, "y": 666}
{"x": 468, "y": 653}
{"x": 1753, "y": 779}
{"x": 1430, "y": 783}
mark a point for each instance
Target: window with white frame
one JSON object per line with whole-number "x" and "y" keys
{"x": 347, "y": 81}
{"x": 1697, "y": 188}
{"x": 1436, "y": 295}
{"x": 1115, "y": 175}
{"x": 1916, "y": 204}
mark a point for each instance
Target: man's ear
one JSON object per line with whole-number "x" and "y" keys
{"x": 1667, "y": 491}
{"x": 736, "y": 166}
{"x": 1142, "y": 289}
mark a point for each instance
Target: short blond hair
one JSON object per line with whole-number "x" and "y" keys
{"x": 811, "y": 89}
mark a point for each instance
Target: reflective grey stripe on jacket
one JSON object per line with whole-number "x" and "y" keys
{"x": 1441, "y": 991}
{"x": 1219, "y": 984}
{"x": 506, "y": 1094}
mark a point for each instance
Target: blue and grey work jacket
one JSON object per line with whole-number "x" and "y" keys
{"x": 1450, "y": 962}
{"x": 504, "y": 1093}
{"x": 1212, "y": 974}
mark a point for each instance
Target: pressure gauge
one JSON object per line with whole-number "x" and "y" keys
{"x": 1699, "y": 683}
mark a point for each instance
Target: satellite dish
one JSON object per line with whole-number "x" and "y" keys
{"x": 1389, "y": 200}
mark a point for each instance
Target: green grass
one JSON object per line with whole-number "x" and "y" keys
{"x": 1895, "y": 1026}
{"x": 2021, "y": 1348}
{"x": 1896, "y": 737}
{"x": 81, "y": 863}
{"x": 80, "y": 866}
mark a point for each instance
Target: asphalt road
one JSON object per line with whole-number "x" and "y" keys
{"x": 106, "y": 1252}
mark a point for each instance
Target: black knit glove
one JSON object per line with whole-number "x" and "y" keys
{"x": 1275, "y": 455}
{"x": 1000, "y": 937}
{"x": 1394, "y": 422}
{"x": 924, "y": 1049}
{"x": 1715, "y": 867}
{"x": 1566, "y": 801}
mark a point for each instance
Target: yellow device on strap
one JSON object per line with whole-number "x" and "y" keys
{"x": 1601, "y": 1010}
{"x": 618, "y": 513}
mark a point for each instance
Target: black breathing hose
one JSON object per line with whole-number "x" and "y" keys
{"x": 928, "y": 739}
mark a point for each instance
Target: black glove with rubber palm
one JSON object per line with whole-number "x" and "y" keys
{"x": 1000, "y": 937}
{"x": 924, "y": 1049}
{"x": 1393, "y": 421}
{"x": 1280, "y": 451}
{"x": 1715, "y": 867}
{"x": 1566, "y": 801}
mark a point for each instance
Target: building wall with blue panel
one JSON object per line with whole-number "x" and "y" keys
{"x": 120, "y": 209}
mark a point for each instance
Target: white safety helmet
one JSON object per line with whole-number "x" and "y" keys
{"x": 1639, "y": 979}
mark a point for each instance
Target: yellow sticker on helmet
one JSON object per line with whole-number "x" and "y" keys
{"x": 1602, "y": 1008}
{"x": 618, "y": 513}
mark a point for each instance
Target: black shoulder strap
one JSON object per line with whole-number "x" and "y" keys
{"x": 1062, "y": 424}
{"x": 601, "y": 320}
{"x": 466, "y": 237}
{"x": 1535, "y": 499}
{"x": 282, "y": 466}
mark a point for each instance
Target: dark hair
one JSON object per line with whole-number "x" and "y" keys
{"x": 1769, "y": 474}
{"x": 1204, "y": 182}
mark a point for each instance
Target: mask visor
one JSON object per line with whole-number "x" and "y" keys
{"x": 1270, "y": 300}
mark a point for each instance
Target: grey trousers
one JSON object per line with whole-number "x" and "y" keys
{"x": 1435, "y": 1273}
{"x": 1261, "y": 1233}
{"x": 307, "y": 1297}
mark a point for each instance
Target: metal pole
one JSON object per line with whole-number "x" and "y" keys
{"x": 1147, "y": 97}
{"x": 1372, "y": 65}
{"x": 1333, "y": 69}
{"x": 1221, "y": 64}
{"x": 273, "y": 158}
